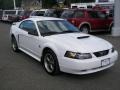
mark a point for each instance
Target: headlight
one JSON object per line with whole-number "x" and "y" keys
{"x": 75, "y": 55}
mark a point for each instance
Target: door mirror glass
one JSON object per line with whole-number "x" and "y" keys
{"x": 33, "y": 32}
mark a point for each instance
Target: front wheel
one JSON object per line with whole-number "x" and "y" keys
{"x": 50, "y": 62}
{"x": 85, "y": 29}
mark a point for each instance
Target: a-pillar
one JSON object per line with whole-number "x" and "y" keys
{"x": 116, "y": 28}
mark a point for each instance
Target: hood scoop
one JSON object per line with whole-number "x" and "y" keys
{"x": 82, "y": 37}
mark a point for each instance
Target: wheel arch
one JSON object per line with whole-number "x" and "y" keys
{"x": 54, "y": 50}
{"x": 85, "y": 23}
{"x": 12, "y": 35}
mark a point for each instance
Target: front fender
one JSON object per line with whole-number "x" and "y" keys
{"x": 53, "y": 47}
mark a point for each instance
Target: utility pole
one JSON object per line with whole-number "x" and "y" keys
{"x": 14, "y": 2}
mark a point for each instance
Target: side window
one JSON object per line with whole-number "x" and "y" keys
{"x": 93, "y": 14}
{"x": 28, "y": 26}
{"x": 79, "y": 14}
{"x": 40, "y": 13}
{"x": 102, "y": 15}
{"x": 97, "y": 14}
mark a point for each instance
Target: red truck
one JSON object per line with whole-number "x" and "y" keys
{"x": 88, "y": 20}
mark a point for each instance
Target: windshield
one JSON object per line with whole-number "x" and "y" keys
{"x": 50, "y": 27}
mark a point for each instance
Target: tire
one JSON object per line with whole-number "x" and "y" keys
{"x": 14, "y": 44}
{"x": 50, "y": 62}
{"x": 85, "y": 29}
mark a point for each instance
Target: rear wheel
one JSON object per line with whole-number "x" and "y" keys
{"x": 14, "y": 45}
{"x": 50, "y": 62}
{"x": 85, "y": 29}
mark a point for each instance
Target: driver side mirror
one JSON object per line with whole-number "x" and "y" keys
{"x": 33, "y": 32}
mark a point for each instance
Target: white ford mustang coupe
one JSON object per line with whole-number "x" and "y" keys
{"x": 61, "y": 47}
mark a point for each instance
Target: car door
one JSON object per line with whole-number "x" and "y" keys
{"x": 29, "y": 38}
{"x": 79, "y": 18}
{"x": 97, "y": 20}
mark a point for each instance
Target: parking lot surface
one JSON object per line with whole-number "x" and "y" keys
{"x": 18, "y": 71}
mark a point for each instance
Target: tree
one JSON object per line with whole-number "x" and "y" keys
{"x": 8, "y": 4}
{"x": 18, "y": 3}
{"x": 49, "y": 3}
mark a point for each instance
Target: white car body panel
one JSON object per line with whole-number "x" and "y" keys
{"x": 34, "y": 46}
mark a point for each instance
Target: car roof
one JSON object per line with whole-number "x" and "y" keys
{"x": 41, "y": 18}
{"x": 43, "y": 9}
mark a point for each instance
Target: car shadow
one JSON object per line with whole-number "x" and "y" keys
{"x": 87, "y": 76}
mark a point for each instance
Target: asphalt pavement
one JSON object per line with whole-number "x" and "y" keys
{"x": 18, "y": 71}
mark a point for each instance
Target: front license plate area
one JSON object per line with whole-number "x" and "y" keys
{"x": 105, "y": 62}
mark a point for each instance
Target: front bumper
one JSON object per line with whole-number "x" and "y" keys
{"x": 87, "y": 66}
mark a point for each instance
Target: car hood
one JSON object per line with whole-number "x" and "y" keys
{"x": 80, "y": 42}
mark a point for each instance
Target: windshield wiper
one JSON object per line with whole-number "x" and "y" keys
{"x": 49, "y": 33}
{"x": 69, "y": 31}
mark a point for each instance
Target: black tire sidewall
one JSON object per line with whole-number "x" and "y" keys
{"x": 13, "y": 41}
{"x": 56, "y": 65}
{"x": 84, "y": 26}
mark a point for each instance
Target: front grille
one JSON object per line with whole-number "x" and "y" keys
{"x": 101, "y": 53}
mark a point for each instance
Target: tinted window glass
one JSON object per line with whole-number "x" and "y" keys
{"x": 10, "y": 12}
{"x": 89, "y": 6}
{"x": 40, "y": 13}
{"x": 79, "y": 14}
{"x": 96, "y": 14}
{"x": 27, "y": 25}
{"x": 67, "y": 14}
{"x": 93, "y": 14}
{"x": 101, "y": 15}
